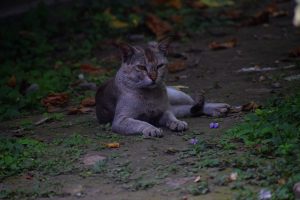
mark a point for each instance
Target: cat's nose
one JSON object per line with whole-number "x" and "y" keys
{"x": 153, "y": 76}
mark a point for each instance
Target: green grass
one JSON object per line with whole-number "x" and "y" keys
{"x": 30, "y": 155}
{"x": 272, "y": 136}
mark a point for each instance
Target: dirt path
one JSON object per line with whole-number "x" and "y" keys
{"x": 166, "y": 168}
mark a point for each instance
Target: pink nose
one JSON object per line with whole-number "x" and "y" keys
{"x": 153, "y": 76}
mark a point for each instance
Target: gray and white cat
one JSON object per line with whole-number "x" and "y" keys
{"x": 137, "y": 100}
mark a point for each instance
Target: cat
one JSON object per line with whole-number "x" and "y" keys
{"x": 137, "y": 100}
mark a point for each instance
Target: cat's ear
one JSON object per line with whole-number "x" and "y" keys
{"x": 127, "y": 51}
{"x": 163, "y": 44}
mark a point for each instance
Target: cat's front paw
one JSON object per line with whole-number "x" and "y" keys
{"x": 152, "y": 132}
{"x": 216, "y": 109}
{"x": 177, "y": 125}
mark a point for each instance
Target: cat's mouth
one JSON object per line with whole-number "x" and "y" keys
{"x": 153, "y": 84}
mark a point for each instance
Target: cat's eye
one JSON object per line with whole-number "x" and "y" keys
{"x": 142, "y": 67}
{"x": 160, "y": 66}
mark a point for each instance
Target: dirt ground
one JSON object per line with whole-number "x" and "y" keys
{"x": 164, "y": 168}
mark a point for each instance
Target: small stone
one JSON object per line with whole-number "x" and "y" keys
{"x": 276, "y": 85}
{"x": 233, "y": 176}
{"x": 81, "y": 76}
{"x": 262, "y": 78}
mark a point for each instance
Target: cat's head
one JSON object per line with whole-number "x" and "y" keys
{"x": 144, "y": 67}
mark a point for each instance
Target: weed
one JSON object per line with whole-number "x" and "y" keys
{"x": 272, "y": 132}
{"x": 143, "y": 184}
{"x": 199, "y": 189}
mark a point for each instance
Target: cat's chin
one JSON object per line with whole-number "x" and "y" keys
{"x": 152, "y": 86}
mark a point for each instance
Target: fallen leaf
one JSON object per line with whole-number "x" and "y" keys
{"x": 158, "y": 26}
{"x": 172, "y": 3}
{"x": 79, "y": 110}
{"x": 225, "y": 45}
{"x": 180, "y": 87}
{"x": 261, "y": 17}
{"x": 12, "y": 81}
{"x": 197, "y": 4}
{"x": 113, "y": 145}
{"x": 233, "y": 176}
{"x": 29, "y": 176}
{"x": 232, "y": 14}
{"x": 197, "y": 179}
{"x": 41, "y": 121}
{"x": 176, "y": 19}
{"x": 52, "y": 109}
{"x": 55, "y": 99}
{"x": 90, "y": 69}
{"x": 281, "y": 181}
{"x": 177, "y": 66}
{"x": 250, "y": 106}
{"x": 274, "y": 11}
{"x": 87, "y": 102}
{"x": 295, "y": 52}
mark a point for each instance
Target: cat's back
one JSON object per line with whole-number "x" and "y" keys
{"x": 106, "y": 100}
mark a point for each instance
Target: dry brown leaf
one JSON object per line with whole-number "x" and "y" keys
{"x": 12, "y": 81}
{"x": 295, "y": 52}
{"x": 177, "y": 66}
{"x": 233, "y": 14}
{"x": 225, "y": 45}
{"x": 113, "y": 145}
{"x": 197, "y": 4}
{"x": 261, "y": 17}
{"x": 176, "y": 19}
{"x": 88, "y": 101}
{"x": 250, "y": 106}
{"x": 78, "y": 110}
{"x": 90, "y": 69}
{"x": 158, "y": 26}
{"x": 55, "y": 99}
{"x": 281, "y": 181}
{"x": 172, "y": 3}
{"x": 274, "y": 11}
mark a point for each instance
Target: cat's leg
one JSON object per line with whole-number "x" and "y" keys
{"x": 215, "y": 109}
{"x": 182, "y": 105}
{"x": 130, "y": 126}
{"x": 177, "y": 97}
{"x": 210, "y": 109}
{"x": 170, "y": 121}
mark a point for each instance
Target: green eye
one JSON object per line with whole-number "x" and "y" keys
{"x": 142, "y": 67}
{"x": 160, "y": 66}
